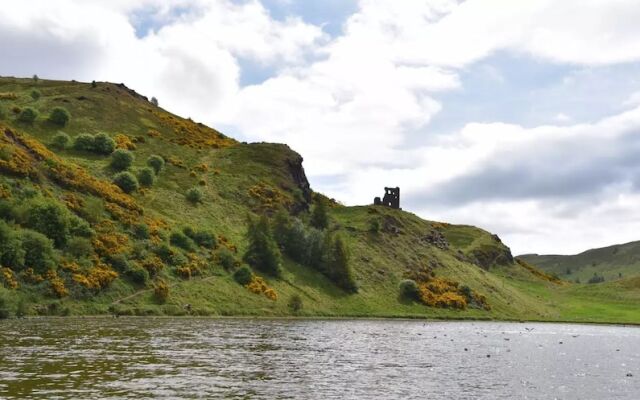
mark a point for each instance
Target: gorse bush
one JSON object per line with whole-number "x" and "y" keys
{"x": 60, "y": 141}
{"x": 59, "y": 116}
{"x": 28, "y": 115}
{"x": 156, "y": 162}
{"x": 262, "y": 252}
{"x": 103, "y": 144}
{"x": 121, "y": 159}
{"x": 146, "y": 176}
{"x": 161, "y": 291}
{"x": 194, "y": 195}
{"x": 126, "y": 181}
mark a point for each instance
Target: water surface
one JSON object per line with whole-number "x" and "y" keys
{"x": 88, "y": 358}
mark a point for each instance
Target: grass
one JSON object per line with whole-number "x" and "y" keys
{"x": 233, "y": 172}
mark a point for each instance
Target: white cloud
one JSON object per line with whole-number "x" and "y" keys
{"x": 358, "y": 107}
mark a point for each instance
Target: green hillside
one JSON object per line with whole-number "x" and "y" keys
{"x": 611, "y": 263}
{"x": 128, "y": 209}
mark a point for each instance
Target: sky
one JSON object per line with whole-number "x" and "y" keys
{"x": 520, "y": 117}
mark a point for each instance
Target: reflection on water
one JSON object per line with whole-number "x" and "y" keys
{"x": 77, "y": 358}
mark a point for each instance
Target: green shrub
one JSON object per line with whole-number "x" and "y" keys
{"x": 103, "y": 144}
{"x": 22, "y": 309}
{"x": 194, "y": 195}
{"x": 4, "y": 308}
{"x": 11, "y": 252}
{"x": 156, "y": 162}
{"x": 262, "y": 252}
{"x": 119, "y": 262}
{"x": 38, "y": 250}
{"x": 319, "y": 217}
{"x": 126, "y": 181}
{"x": 243, "y": 275}
{"x": 204, "y": 239}
{"x": 338, "y": 267}
{"x": 146, "y": 176}
{"x": 79, "y": 247}
{"x": 409, "y": 290}
{"x": 138, "y": 275}
{"x": 141, "y": 231}
{"x": 60, "y": 141}
{"x": 164, "y": 251}
{"x": 295, "y": 303}
{"x": 80, "y": 227}
{"x": 59, "y": 116}
{"x": 51, "y": 219}
{"x": 178, "y": 259}
{"x": 121, "y": 159}
{"x": 3, "y": 112}
{"x": 84, "y": 142}
{"x": 374, "y": 226}
{"x": 227, "y": 259}
{"x": 181, "y": 240}
{"x": 28, "y": 115}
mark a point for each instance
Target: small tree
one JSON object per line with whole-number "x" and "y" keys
{"x": 243, "y": 275}
{"x": 38, "y": 250}
{"x": 319, "y": 217}
{"x": 409, "y": 289}
{"x": 146, "y": 176}
{"x": 295, "y": 303}
{"x": 94, "y": 84}
{"x": 126, "y": 181}
{"x": 28, "y": 115}
{"x": 156, "y": 162}
{"x": 60, "y": 140}
{"x": 121, "y": 159}
{"x": 154, "y": 101}
{"x": 262, "y": 252}
{"x": 51, "y": 219}
{"x": 84, "y": 142}
{"x": 103, "y": 144}
{"x": 194, "y": 195}
{"x": 338, "y": 266}
{"x": 59, "y": 116}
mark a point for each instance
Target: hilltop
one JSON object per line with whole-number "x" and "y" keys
{"x": 126, "y": 208}
{"x": 611, "y": 263}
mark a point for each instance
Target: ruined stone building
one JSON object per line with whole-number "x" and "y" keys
{"x": 391, "y": 198}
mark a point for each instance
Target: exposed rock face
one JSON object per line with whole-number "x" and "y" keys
{"x": 301, "y": 182}
{"x": 488, "y": 256}
{"x": 436, "y": 239}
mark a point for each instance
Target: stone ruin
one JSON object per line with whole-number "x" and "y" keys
{"x": 391, "y": 198}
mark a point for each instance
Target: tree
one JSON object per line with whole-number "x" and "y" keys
{"x": 337, "y": 265}
{"x": 262, "y": 253}
{"x": 126, "y": 181}
{"x": 51, "y": 219}
{"x": 146, "y": 176}
{"x": 156, "y": 162}
{"x": 59, "y": 116}
{"x": 28, "y": 115}
{"x": 319, "y": 217}
{"x": 121, "y": 159}
{"x": 11, "y": 252}
{"x": 38, "y": 250}
{"x": 154, "y": 101}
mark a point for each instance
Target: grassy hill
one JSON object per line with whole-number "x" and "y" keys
{"x": 74, "y": 242}
{"x": 612, "y": 263}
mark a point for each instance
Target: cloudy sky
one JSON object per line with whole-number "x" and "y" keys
{"x": 521, "y": 117}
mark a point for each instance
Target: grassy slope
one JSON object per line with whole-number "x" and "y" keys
{"x": 612, "y": 262}
{"x": 379, "y": 259}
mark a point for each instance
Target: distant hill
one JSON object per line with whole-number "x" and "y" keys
{"x": 111, "y": 204}
{"x": 611, "y": 262}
